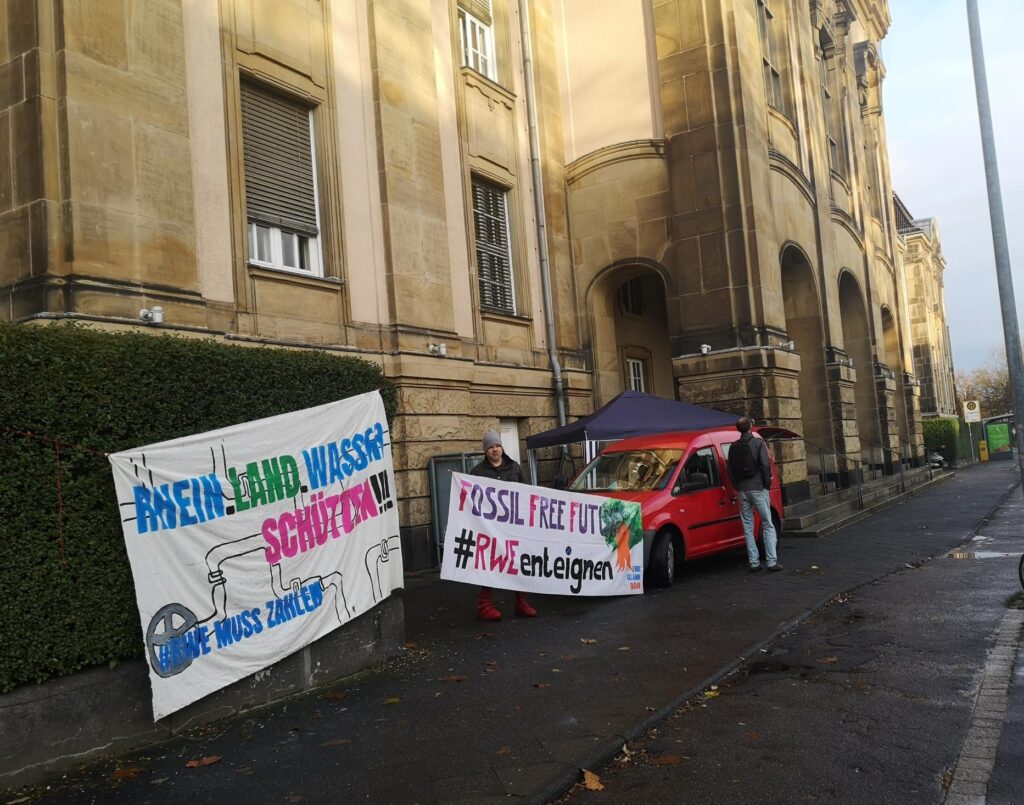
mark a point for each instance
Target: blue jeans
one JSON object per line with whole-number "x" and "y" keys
{"x": 751, "y": 499}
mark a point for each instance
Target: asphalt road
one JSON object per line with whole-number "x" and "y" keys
{"x": 867, "y": 701}
{"x": 483, "y": 712}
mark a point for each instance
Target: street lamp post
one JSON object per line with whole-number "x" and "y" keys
{"x": 1007, "y": 304}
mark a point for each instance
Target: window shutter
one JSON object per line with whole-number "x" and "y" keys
{"x": 278, "y": 153}
{"x": 481, "y": 9}
{"x": 493, "y": 259}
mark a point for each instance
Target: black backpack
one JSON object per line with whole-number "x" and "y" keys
{"x": 742, "y": 461}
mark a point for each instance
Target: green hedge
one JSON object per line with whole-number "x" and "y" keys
{"x": 943, "y": 436}
{"x": 89, "y": 393}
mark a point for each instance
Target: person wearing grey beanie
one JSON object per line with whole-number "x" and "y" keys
{"x": 498, "y": 465}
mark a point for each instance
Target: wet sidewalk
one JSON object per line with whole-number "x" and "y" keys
{"x": 479, "y": 712}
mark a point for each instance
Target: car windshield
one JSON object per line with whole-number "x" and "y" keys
{"x": 629, "y": 471}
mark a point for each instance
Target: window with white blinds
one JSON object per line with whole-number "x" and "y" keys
{"x": 280, "y": 181}
{"x": 493, "y": 250}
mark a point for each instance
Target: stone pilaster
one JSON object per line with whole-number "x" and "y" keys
{"x": 885, "y": 393}
{"x": 843, "y": 466}
{"x": 760, "y": 382}
{"x": 411, "y": 173}
{"x": 912, "y": 401}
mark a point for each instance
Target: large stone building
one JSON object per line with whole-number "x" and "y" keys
{"x": 515, "y": 206}
{"x": 924, "y": 266}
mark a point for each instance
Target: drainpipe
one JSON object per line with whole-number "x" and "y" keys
{"x": 538, "y": 203}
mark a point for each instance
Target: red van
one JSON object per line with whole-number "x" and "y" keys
{"x": 681, "y": 482}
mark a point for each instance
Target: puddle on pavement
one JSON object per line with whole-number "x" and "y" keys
{"x": 977, "y": 555}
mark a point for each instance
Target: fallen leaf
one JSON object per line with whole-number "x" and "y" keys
{"x": 336, "y": 742}
{"x": 542, "y": 684}
{"x": 126, "y": 773}
{"x": 828, "y": 660}
{"x": 568, "y": 657}
{"x": 209, "y": 760}
{"x": 665, "y": 760}
{"x": 591, "y": 781}
{"x": 588, "y": 640}
{"x": 710, "y": 694}
{"x": 753, "y": 736}
{"x": 453, "y": 678}
{"x": 625, "y": 648}
{"x": 410, "y": 644}
{"x": 392, "y": 700}
{"x": 334, "y": 695}
{"x": 505, "y": 750}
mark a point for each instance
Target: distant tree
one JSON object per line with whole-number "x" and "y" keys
{"x": 989, "y": 384}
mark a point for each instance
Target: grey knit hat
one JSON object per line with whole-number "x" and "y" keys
{"x": 491, "y": 438}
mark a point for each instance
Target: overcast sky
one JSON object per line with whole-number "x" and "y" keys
{"x": 935, "y": 151}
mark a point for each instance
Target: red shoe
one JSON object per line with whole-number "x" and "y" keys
{"x": 523, "y": 607}
{"x": 485, "y": 609}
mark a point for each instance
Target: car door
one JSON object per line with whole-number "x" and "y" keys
{"x": 710, "y": 513}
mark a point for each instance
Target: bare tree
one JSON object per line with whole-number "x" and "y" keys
{"x": 989, "y": 384}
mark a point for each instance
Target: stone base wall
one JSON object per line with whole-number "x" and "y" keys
{"x": 759, "y": 382}
{"x": 445, "y": 405}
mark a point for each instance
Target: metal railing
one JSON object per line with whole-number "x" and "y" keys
{"x": 839, "y": 470}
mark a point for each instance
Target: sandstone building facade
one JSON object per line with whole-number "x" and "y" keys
{"x": 924, "y": 267}
{"x": 515, "y": 206}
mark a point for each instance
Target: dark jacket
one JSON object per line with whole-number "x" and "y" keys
{"x": 508, "y": 470}
{"x": 763, "y": 480}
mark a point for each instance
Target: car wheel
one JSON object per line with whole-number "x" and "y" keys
{"x": 661, "y": 571}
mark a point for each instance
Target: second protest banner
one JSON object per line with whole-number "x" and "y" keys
{"x": 533, "y": 539}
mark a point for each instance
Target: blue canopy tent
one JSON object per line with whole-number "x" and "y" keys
{"x": 632, "y": 413}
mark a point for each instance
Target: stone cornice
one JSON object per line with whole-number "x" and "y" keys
{"x": 782, "y": 164}
{"x": 847, "y": 222}
{"x": 611, "y": 154}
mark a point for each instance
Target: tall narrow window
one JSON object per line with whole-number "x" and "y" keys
{"x": 770, "y": 58}
{"x": 635, "y": 374}
{"x": 631, "y": 297}
{"x": 827, "y": 106}
{"x": 493, "y": 249}
{"x": 476, "y": 37}
{"x": 280, "y": 182}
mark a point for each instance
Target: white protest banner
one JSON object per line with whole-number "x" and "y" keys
{"x": 534, "y": 539}
{"x": 250, "y": 542}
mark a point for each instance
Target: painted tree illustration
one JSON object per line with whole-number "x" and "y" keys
{"x": 621, "y": 528}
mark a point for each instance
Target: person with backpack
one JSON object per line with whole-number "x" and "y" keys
{"x": 751, "y": 476}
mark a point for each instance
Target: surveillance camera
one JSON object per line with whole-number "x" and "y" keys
{"x": 153, "y": 315}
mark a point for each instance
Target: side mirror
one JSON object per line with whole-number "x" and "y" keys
{"x": 560, "y": 482}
